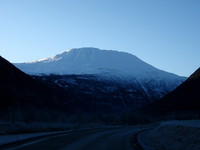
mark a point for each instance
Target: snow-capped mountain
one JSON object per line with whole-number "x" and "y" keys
{"x": 107, "y": 65}
{"x": 93, "y": 61}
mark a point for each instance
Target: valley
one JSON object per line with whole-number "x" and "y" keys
{"x": 63, "y": 93}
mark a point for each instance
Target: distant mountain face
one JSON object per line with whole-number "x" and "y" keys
{"x": 89, "y": 61}
{"x": 110, "y": 66}
{"x": 94, "y": 61}
{"x": 184, "y": 97}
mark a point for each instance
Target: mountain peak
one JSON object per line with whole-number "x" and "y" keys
{"x": 89, "y": 60}
{"x": 72, "y": 52}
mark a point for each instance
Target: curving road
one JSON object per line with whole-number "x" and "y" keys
{"x": 87, "y": 139}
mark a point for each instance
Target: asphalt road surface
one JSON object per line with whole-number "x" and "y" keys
{"x": 87, "y": 139}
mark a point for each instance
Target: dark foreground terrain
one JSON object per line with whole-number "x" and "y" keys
{"x": 85, "y": 139}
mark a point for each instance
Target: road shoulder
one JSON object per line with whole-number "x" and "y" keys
{"x": 170, "y": 135}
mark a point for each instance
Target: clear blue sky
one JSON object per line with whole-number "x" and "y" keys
{"x": 164, "y": 33}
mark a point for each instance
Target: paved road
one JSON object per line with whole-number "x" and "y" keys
{"x": 88, "y": 139}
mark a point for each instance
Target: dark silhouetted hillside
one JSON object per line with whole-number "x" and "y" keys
{"x": 183, "y": 98}
{"x": 23, "y": 98}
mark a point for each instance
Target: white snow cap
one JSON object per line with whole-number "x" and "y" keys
{"x": 93, "y": 61}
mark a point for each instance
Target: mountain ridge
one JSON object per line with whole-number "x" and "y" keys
{"x": 93, "y": 61}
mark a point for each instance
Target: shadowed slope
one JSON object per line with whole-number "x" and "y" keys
{"x": 22, "y": 95}
{"x": 184, "y": 97}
